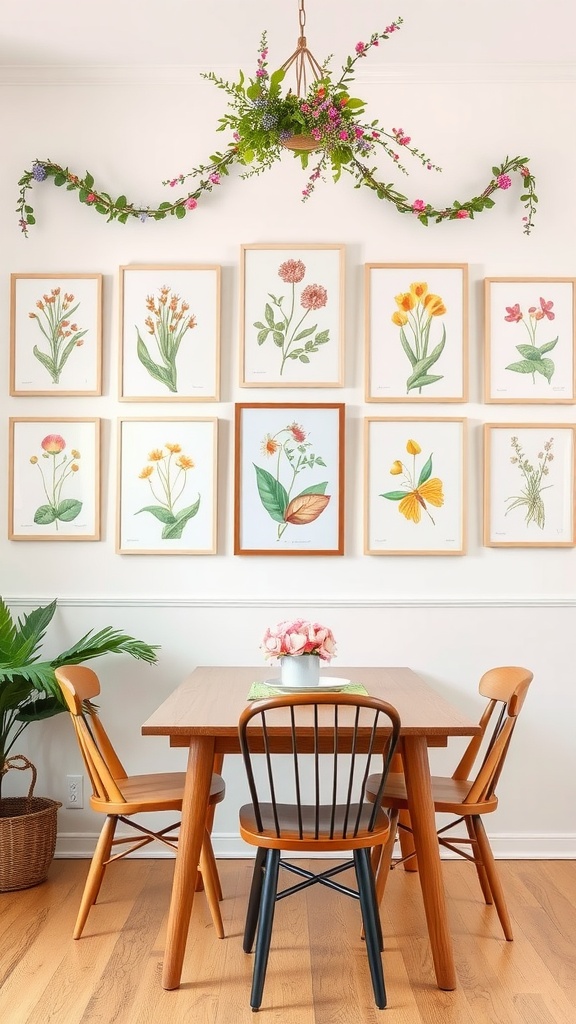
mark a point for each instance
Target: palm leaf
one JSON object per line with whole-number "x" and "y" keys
{"x": 20, "y": 641}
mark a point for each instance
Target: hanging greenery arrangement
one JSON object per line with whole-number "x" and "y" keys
{"x": 326, "y": 128}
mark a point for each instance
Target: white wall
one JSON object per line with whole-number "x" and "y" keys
{"x": 470, "y": 99}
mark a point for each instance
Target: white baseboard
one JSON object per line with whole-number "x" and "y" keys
{"x": 229, "y": 846}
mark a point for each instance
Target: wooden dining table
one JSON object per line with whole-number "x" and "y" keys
{"x": 202, "y": 714}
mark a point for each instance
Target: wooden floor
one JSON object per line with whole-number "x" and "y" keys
{"x": 317, "y": 973}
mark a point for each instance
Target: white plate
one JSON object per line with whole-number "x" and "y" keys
{"x": 329, "y": 684}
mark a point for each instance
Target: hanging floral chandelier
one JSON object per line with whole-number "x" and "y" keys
{"x": 320, "y": 121}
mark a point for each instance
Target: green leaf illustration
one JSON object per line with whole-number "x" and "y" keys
{"x": 428, "y": 378}
{"x": 405, "y": 345}
{"x": 393, "y": 495}
{"x": 46, "y": 361}
{"x": 269, "y": 314}
{"x": 159, "y": 512}
{"x": 544, "y": 366}
{"x": 272, "y": 493}
{"x": 173, "y": 531}
{"x": 315, "y": 489}
{"x": 306, "y": 333}
{"x": 548, "y": 346}
{"x": 423, "y": 365}
{"x": 425, "y": 472}
{"x": 529, "y": 351}
{"x": 161, "y": 373}
{"x": 68, "y": 510}
{"x": 44, "y": 515}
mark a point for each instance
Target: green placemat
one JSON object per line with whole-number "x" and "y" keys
{"x": 259, "y": 690}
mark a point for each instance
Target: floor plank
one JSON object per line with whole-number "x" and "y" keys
{"x": 318, "y": 971}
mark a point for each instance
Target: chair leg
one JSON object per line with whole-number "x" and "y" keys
{"x": 215, "y": 875}
{"x": 381, "y": 875}
{"x": 96, "y": 872}
{"x": 210, "y": 886}
{"x": 371, "y": 920}
{"x": 493, "y": 877}
{"x": 480, "y": 869}
{"x": 254, "y": 900}
{"x": 265, "y": 921}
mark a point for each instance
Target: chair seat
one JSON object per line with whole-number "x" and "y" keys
{"x": 156, "y": 792}
{"x": 288, "y": 824}
{"x": 449, "y": 795}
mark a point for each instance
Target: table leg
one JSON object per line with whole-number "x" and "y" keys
{"x": 404, "y": 835}
{"x": 194, "y": 809}
{"x": 217, "y": 768}
{"x": 418, "y": 788}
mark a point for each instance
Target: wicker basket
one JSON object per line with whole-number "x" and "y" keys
{"x": 27, "y": 833}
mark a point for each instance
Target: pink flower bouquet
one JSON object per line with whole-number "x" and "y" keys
{"x": 299, "y": 637}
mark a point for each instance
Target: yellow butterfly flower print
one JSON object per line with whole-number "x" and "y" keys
{"x": 415, "y": 496}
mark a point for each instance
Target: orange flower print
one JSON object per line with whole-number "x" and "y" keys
{"x": 269, "y": 445}
{"x": 59, "y": 335}
{"x": 167, "y": 474}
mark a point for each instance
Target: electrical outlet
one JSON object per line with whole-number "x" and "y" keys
{"x": 74, "y": 791}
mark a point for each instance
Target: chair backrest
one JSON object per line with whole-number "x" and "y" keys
{"x": 328, "y": 793}
{"x": 79, "y": 685}
{"x": 506, "y": 689}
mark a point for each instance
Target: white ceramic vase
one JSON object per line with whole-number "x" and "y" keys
{"x": 300, "y": 670}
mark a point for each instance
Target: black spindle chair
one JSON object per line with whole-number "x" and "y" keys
{"x": 309, "y": 803}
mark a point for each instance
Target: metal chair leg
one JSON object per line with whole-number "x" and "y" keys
{"x": 265, "y": 921}
{"x": 254, "y": 900}
{"x": 371, "y": 921}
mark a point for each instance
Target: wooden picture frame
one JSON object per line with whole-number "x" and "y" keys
{"x": 529, "y": 485}
{"x": 167, "y": 486}
{"x": 416, "y": 331}
{"x": 170, "y": 333}
{"x": 292, "y": 315}
{"x": 275, "y": 514}
{"x": 530, "y": 340}
{"x": 415, "y": 486}
{"x": 54, "y": 479}
{"x": 55, "y": 334}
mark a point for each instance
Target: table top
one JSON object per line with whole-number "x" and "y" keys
{"x": 210, "y": 700}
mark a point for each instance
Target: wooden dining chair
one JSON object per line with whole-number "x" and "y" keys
{"x": 468, "y": 794}
{"x": 120, "y": 796}
{"x": 308, "y": 803}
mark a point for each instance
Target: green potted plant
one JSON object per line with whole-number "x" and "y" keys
{"x": 29, "y": 693}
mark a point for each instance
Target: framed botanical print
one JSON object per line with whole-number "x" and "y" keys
{"x": 529, "y": 485}
{"x": 289, "y": 479}
{"x": 416, "y": 328}
{"x": 54, "y": 479}
{"x": 170, "y": 331}
{"x": 167, "y": 486}
{"x": 292, "y": 316}
{"x": 415, "y": 477}
{"x": 55, "y": 334}
{"x": 530, "y": 340}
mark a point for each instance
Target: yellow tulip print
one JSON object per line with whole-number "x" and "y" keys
{"x": 416, "y": 493}
{"x": 418, "y": 308}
